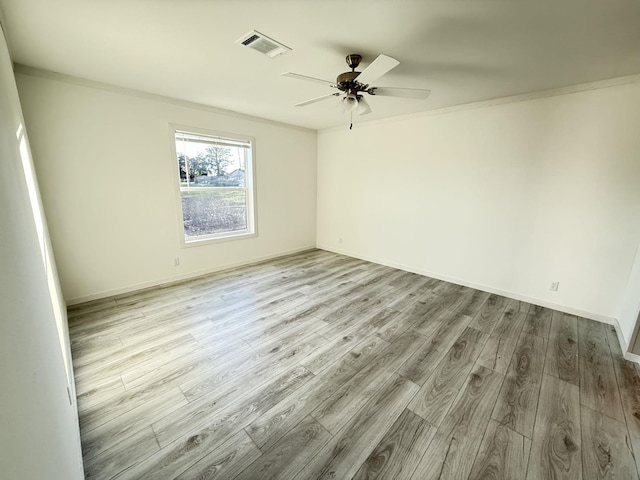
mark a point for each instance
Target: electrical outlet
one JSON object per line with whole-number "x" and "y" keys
{"x": 553, "y": 286}
{"x": 176, "y": 262}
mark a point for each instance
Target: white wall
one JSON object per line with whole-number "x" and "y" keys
{"x": 107, "y": 180}
{"x": 507, "y": 198}
{"x": 39, "y": 433}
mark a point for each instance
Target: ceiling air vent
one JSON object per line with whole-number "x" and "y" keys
{"x": 263, "y": 44}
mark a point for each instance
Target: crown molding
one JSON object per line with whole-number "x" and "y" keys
{"x": 61, "y": 77}
{"x": 554, "y": 92}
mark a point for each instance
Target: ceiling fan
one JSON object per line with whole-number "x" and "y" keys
{"x": 352, "y": 85}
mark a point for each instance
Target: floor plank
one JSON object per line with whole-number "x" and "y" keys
{"x": 598, "y": 386}
{"x": 512, "y": 320}
{"x": 121, "y": 429}
{"x": 429, "y": 306}
{"x": 606, "y": 452}
{"x": 256, "y": 367}
{"x": 190, "y": 366}
{"x": 555, "y": 450}
{"x": 518, "y": 400}
{"x": 324, "y": 355}
{"x": 453, "y": 449}
{"x": 215, "y": 428}
{"x": 336, "y": 410}
{"x": 223, "y": 404}
{"x": 473, "y": 335}
{"x": 489, "y": 314}
{"x": 538, "y": 321}
{"x": 628, "y": 383}
{"x": 562, "y": 353}
{"x": 398, "y": 453}
{"x": 225, "y": 461}
{"x": 290, "y": 454}
{"x": 503, "y": 340}
{"x": 436, "y": 396}
{"x": 378, "y": 321}
{"x": 269, "y": 427}
{"x": 343, "y": 455}
{"x": 472, "y": 304}
{"x": 497, "y": 353}
{"x": 444, "y": 332}
{"x": 503, "y": 454}
{"x": 121, "y": 455}
{"x": 100, "y": 393}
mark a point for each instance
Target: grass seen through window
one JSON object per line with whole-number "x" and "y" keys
{"x": 209, "y": 210}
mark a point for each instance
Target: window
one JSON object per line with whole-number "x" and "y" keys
{"x": 215, "y": 176}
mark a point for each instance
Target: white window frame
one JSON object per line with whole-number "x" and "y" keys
{"x": 250, "y": 186}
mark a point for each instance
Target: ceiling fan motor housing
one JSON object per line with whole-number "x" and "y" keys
{"x": 347, "y": 83}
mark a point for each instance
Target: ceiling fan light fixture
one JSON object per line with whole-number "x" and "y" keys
{"x": 350, "y": 102}
{"x": 363, "y": 106}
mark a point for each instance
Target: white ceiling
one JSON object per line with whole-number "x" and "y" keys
{"x": 464, "y": 51}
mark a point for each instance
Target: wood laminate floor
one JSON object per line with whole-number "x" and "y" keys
{"x": 317, "y": 365}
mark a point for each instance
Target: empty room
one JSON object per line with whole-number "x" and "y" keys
{"x": 286, "y": 239}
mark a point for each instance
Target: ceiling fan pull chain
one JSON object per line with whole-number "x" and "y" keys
{"x": 351, "y": 122}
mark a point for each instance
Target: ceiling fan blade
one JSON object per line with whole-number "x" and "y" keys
{"x": 417, "y": 93}
{"x": 317, "y": 99}
{"x": 376, "y": 69}
{"x": 307, "y": 78}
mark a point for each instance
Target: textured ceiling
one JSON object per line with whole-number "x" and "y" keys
{"x": 463, "y": 51}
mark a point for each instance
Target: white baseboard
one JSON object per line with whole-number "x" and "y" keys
{"x": 632, "y": 357}
{"x": 176, "y": 278}
{"x": 624, "y": 345}
{"x": 478, "y": 286}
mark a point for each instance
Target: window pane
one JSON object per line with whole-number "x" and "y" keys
{"x": 207, "y": 211}
{"x": 215, "y": 184}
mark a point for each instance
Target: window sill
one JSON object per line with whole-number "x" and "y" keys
{"x": 197, "y": 242}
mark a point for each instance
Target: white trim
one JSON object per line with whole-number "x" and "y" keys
{"x": 217, "y": 238}
{"x": 632, "y": 357}
{"x": 523, "y": 97}
{"x": 623, "y": 341}
{"x": 478, "y": 286}
{"x": 176, "y": 278}
{"x": 84, "y": 82}
{"x": 250, "y": 187}
{"x": 208, "y": 189}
